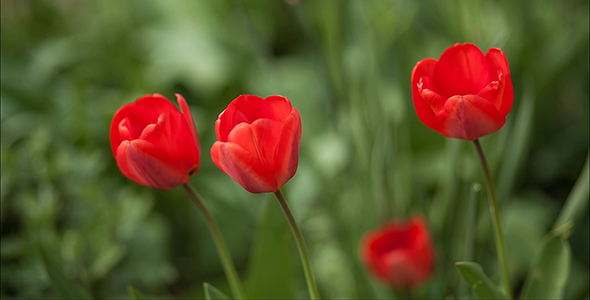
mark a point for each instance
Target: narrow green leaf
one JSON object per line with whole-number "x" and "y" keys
{"x": 212, "y": 293}
{"x": 270, "y": 266}
{"x": 481, "y": 285}
{"x": 137, "y": 295}
{"x": 577, "y": 201}
{"x": 550, "y": 269}
{"x": 66, "y": 287}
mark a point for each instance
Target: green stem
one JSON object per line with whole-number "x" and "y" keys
{"x": 228, "y": 265}
{"x": 500, "y": 247}
{"x": 311, "y": 286}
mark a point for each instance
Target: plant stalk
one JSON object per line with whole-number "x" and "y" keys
{"x": 226, "y": 260}
{"x": 311, "y": 286}
{"x": 500, "y": 246}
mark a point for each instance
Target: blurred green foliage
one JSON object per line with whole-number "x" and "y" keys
{"x": 68, "y": 65}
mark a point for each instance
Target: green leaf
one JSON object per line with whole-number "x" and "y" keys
{"x": 136, "y": 294}
{"x": 270, "y": 272}
{"x": 550, "y": 269}
{"x": 481, "y": 285}
{"x": 212, "y": 293}
{"x": 66, "y": 287}
{"x": 577, "y": 201}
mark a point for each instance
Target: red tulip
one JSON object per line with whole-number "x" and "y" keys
{"x": 258, "y": 142}
{"x": 400, "y": 254}
{"x": 464, "y": 94}
{"x": 155, "y": 144}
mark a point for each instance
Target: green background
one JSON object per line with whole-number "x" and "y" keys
{"x": 365, "y": 157}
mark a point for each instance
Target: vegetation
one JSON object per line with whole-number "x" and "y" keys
{"x": 365, "y": 157}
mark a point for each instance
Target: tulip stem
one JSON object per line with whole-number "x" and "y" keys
{"x": 228, "y": 265}
{"x": 311, "y": 286}
{"x": 500, "y": 246}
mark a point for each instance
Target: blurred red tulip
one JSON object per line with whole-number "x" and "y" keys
{"x": 400, "y": 254}
{"x": 155, "y": 144}
{"x": 258, "y": 142}
{"x": 464, "y": 94}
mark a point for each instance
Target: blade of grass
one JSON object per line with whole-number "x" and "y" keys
{"x": 549, "y": 272}
{"x": 577, "y": 201}
{"x": 481, "y": 285}
{"x": 213, "y": 293}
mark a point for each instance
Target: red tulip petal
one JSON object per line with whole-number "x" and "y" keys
{"x": 156, "y": 95}
{"x": 238, "y": 111}
{"x": 507, "y": 96}
{"x": 116, "y": 132}
{"x": 172, "y": 134}
{"x": 142, "y": 112}
{"x": 368, "y": 253}
{"x": 260, "y": 139}
{"x": 426, "y": 82}
{"x": 217, "y": 134}
{"x": 461, "y": 70}
{"x": 243, "y": 167}
{"x": 146, "y": 110}
{"x": 422, "y": 244}
{"x": 497, "y": 64}
{"x": 416, "y": 225}
{"x": 493, "y": 92}
{"x": 436, "y": 101}
{"x": 468, "y": 117}
{"x": 247, "y": 104}
{"x": 393, "y": 235}
{"x": 400, "y": 253}
{"x": 274, "y": 107}
{"x": 186, "y": 112}
{"x": 287, "y": 154}
{"x": 229, "y": 119}
{"x": 424, "y": 68}
{"x": 149, "y": 165}
{"x": 266, "y": 134}
{"x": 401, "y": 269}
{"x": 125, "y": 130}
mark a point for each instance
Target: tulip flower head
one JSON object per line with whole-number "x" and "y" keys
{"x": 399, "y": 254}
{"x": 258, "y": 142}
{"x": 464, "y": 94}
{"x": 154, "y": 143}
